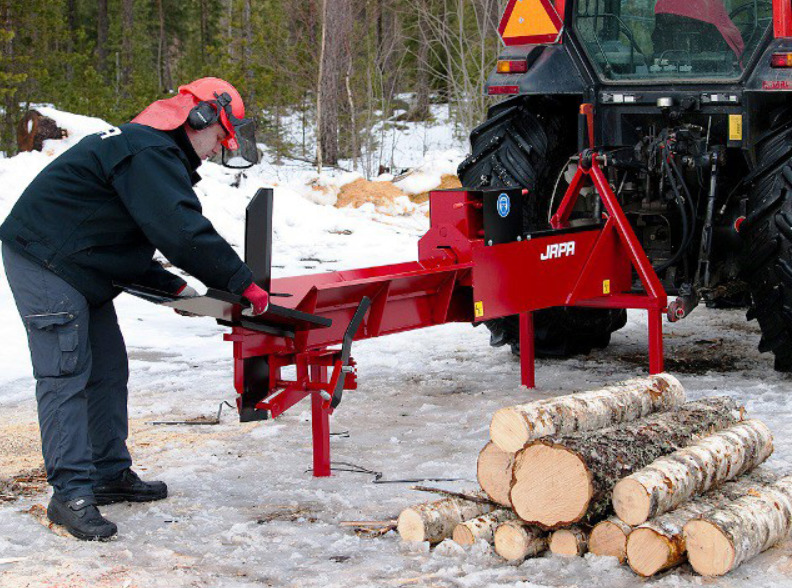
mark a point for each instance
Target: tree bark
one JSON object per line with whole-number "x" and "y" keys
{"x": 725, "y": 537}
{"x": 421, "y": 110}
{"x": 515, "y": 541}
{"x": 494, "y": 473}
{"x": 127, "y": 45}
{"x": 569, "y": 542}
{"x": 609, "y": 537}
{"x": 435, "y": 521}
{"x": 659, "y": 544}
{"x": 483, "y": 527}
{"x": 514, "y": 426}
{"x": 563, "y": 479}
{"x": 671, "y": 480}
{"x": 102, "y": 28}
{"x": 336, "y": 27}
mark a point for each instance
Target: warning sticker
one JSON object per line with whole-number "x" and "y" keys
{"x": 735, "y": 127}
{"x": 606, "y": 286}
{"x": 478, "y": 309}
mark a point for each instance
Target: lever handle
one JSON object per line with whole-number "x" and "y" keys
{"x": 346, "y": 349}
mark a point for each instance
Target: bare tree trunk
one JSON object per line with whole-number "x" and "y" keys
{"x": 250, "y": 81}
{"x": 320, "y": 93}
{"x": 421, "y": 109}
{"x": 160, "y": 45}
{"x": 71, "y": 22}
{"x": 102, "y": 28}
{"x": 127, "y": 46}
{"x": 204, "y": 28}
{"x": 337, "y": 19}
{"x": 352, "y": 118}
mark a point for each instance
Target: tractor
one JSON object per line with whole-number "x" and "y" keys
{"x": 689, "y": 102}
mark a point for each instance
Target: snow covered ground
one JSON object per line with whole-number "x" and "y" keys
{"x": 243, "y": 510}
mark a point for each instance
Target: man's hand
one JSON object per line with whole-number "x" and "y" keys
{"x": 258, "y": 298}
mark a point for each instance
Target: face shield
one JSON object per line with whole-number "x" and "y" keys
{"x": 241, "y": 151}
{"x": 239, "y": 146}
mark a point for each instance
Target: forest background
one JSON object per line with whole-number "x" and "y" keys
{"x": 348, "y": 65}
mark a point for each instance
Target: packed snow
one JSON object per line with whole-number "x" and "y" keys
{"x": 243, "y": 510}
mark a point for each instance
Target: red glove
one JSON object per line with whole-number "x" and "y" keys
{"x": 258, "y": 297}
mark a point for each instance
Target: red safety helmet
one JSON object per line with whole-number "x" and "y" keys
{"x": 225, "y": 107}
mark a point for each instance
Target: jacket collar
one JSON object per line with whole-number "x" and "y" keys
{"x": 180, "y": 136}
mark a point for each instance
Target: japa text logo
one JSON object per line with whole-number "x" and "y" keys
{"x": 556, "y": 250}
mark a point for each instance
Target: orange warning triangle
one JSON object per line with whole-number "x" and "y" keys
{"x": 529, "y": 21}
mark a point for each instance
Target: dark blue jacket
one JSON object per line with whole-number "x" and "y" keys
{"x": 96, "y": 214}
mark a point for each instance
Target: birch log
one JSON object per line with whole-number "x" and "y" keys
{"x": 435, "y": 521}
{"x": 659, "y": 544}
{"x": 723, "y": 538}
{"x": 671, "y": 480}
{"x": 609, "y": 537}
{"x": 515, "y": 541}
{"x": 569, "y": 542}
{"x": 514, "y": 426}
{"x": 561, "y": 480}
{"x": 483, "y": 527}
{"x": 494, "y": 473}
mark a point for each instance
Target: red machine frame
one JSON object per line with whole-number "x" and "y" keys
{"x": 457, "y": 278}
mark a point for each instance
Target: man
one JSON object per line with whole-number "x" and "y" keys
{"x": 90, "y": 221}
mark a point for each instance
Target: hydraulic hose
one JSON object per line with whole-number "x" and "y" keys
{"x": 683, "y": 212}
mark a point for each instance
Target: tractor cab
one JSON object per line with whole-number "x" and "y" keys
{"x": 670, "y": 39}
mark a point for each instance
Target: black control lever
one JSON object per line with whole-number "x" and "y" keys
{"x": 346, "y": 349}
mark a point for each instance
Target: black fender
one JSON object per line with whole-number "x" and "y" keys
{"x": 551, "y": 70}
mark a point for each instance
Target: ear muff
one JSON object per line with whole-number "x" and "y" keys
{"x": 203, "y": 115}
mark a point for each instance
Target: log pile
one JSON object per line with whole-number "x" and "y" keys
{"x": 631, "y": 471}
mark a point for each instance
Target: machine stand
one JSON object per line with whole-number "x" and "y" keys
{"x": 527, "y": 356}
{"x": 655, "y": 316}
{"x": 320, "y": 423}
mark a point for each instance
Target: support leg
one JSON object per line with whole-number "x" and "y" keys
{"x": 527, "y": 363}
{"x": 655, "y": 317}
{"x": 320, "y": 421}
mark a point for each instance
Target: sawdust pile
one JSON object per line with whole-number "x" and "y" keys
{"x": 20, "y": 449}
{"x": 383, "y": 194}
{"x": 362, "y": 191}
{"x": 447, "y": 182}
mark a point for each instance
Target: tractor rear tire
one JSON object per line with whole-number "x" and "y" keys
{"x": 767, "y": 231}
{"x": 525, "y": 143}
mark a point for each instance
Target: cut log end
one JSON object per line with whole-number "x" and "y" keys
{"x": 648, "y": 552}
{"x": 552, "y": 486}
{"x": 514, "y": 542}
{"x": 463, "y": 535}
{"x": 494, "y": 473}
{"x": 411, "y": 526}
{"x": 508, "y": 430}
{"x": 710, "y": 552}
{"x": 608, "y": 538}
{"x": 565, "y": 542}
{"x": 631, "y": 502}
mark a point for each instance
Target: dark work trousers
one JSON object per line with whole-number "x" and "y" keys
{"x": 81, "y": 370}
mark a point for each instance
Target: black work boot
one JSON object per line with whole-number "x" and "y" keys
{"x": 81, "y": 518}
{"x": 128, "y": 486}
